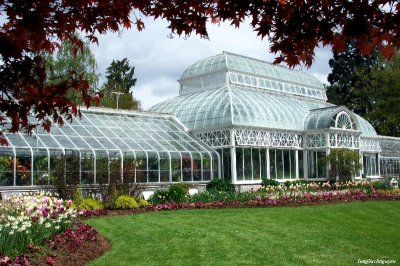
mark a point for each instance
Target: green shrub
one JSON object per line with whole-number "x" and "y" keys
{"x": 220, "y": 185}
{"x": 214, "y": 195}
{"x": 159, "y": 196}
{"x": 125, "y": 202}
{"x": 142, "y": 202}
{"x": 90, "y": 204}
{"x": 384, "y": 184}
{"x": 111, "y": 197}
{"x": 269, "y": 182}
{"x": 178, "y": 192}
{"x": 344, "y": 163}
{"x": 77, "y": 196}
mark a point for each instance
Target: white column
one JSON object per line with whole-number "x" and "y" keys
{"x": 297, "y": 163}
{"x": 233, "y": 156}
{"x": 268, "y": 165}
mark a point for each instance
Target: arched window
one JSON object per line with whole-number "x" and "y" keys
{"x": 343, "y": 121}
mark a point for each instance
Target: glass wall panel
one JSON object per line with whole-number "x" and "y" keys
{"x": 215, "y": 166}
{"x": 24, "y": 164}
{"x": 286, "y": 164}
{"x": 40, "y": 167}
{"x": 206, "y": 167}
{"x": 153, "y": 166}
{"x": 115, "y": 166}
{"x": 176, "y": 167}
{"x": 6, "y": 167}
{"x": 248, "y": 171}
{"x": 316, "y": 167}
{"x": 102, "y": 167}
{"x": 279, "y": 164}
{"x": 321, "y": 165}
{"x": 263, "y": 163}
{"x": 129, "y": 165}
{"x": 390, "y": 167}
{"x": 72, "y": 167}
{"x": 301, "y": 164}
{"x": 164, "y": 166}
{"x": 272, "y": 164}
{"x": 141, "y": 167}
{"x": 239, "y": 163}
{"x": 57, "y": 167}
{"x": 87, "y": 167}
{"x": 256, "y": 164}
{"x": 370, "y": 165}
{"x": 186, "y": 166}
{"x": 226, "y": 163}
{"x": 292, "y": 155}
{"x": 312, "y": 164}
{"x": 196, "y": 166}
{"x": 282, "y": 164}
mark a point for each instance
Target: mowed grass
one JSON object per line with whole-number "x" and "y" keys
{"x": 338, "y": 234}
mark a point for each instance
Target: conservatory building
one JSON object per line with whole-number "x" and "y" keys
{"x": 235, "y": 117}
{"x": 267, "y": 121}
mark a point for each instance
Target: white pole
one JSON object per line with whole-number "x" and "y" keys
{"x": 118, "y": 94}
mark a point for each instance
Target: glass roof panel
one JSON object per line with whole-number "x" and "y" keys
{"x": 112, "y": 133}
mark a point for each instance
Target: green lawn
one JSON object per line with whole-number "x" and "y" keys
{"x": 326, "y": 235}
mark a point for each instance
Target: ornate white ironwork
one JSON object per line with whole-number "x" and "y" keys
{"x": 337, "y": 140}
{"x": 370, "y": 145}
{"x": 316, "y": 140}
{"x": 219, "y": 138}
{"x": 268, "y": 139}
{"x": 343, "y": 121}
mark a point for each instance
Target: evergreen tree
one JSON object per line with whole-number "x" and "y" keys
{"x": 350, "y": 75}
{"x": 384, "y": 93}
{"x": 117, "y": 89}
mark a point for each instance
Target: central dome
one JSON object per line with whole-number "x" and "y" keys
{"x": 227, "y": 68}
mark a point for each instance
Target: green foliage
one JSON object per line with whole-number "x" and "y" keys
{"x": 175, "y": 193}
{"x": 350, "y": 73}
{"x": 111, "y": 197}
{"x": 384, "y": 91}
{"x": 220, "y": 185}
{"x": 300, "y": 182}
{"x": 159, "y": 196}
{"x": 117, "y": 88}
{"x": 77, "y": 196}
{"x": 71, "y": 61}
{"x": 213, "y": 195}
{"x": 120, "y": 72}
{"x": 90, "y": 204}
{"x": 269, "y": 182}
{"x": 369, "y": 86}
{"x": 178, "y": 192}
{"x": 344, "y": 163}
{"x": 142, "y": 202}
{"x": 383, "y": 184}
{"x": 126, "y": 202}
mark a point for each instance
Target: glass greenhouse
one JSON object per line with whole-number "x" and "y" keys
{"x": 104, "y": 144}
{"x": 235, "y": 117}
{"x": 267, "y": 121}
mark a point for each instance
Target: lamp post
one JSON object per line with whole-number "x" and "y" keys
{"x": 118, "y": 94}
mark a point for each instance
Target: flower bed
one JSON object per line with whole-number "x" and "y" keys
{"x": 300, "y": 198}
{"x": 75, "y": 246}
{"x": 28, "y": 218}
{"x": 40, "y": 229}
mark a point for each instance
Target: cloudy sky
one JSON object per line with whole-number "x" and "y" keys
{"x": 159, "y": 60}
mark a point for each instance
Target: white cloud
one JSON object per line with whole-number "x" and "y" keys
{"x": 159, "y": 61}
